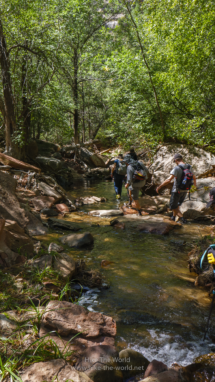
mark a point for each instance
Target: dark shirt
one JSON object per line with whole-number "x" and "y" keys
{"x": 133, "y": 155}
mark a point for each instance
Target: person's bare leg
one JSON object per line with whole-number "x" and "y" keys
{"x": 130, "y": 197}
{"x": 174, "y": 212}
{"x": 137, "y": 204}
{"x": 178, "y": 213}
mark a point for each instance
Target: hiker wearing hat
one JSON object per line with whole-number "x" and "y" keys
{"x": 183, "y": 180}
{"x": 118, "y": 173}
{"x": 211, "y": 203}
{"x": 136, "y": 179}
{"x": 132, "y": 153}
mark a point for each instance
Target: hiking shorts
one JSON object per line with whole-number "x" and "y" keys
{"x": 176, "y": 200}
{"x": 135, "y": 189}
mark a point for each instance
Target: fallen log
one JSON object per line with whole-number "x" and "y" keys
{"x": 15, "y": 163}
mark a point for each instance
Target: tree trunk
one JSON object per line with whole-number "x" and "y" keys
{"x": 89, "y": 124}
{"x": 83, "y": 112}
{"x": 75, "y": 95}
{"x": 25, "y": 104}
{"x": 10, "y": 120}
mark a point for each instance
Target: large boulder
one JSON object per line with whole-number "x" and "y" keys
{"x": 50, "y": 371}
{"x": 78, "y": 240}
{"x": 67, "y": 318}
{"x": 49, "y": 164}
{"x": 9, "y": 205}
{"x": 74, "y": 327}
{"x": 200, "y": 160}
{"x": 46, "y": 148}
{"x": 204, "y": 186}
{"x": 99, "y": 364}
{"x": 192, "y": 209}
{"x": 132, "y": 363}
{"x": 95, "y": 160}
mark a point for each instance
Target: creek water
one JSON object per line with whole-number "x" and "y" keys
{"x": 152, "y": 296}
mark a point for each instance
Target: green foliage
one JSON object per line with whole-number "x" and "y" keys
{"x": 67, "y": 59}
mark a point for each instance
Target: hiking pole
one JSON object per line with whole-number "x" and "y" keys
{"x": 211, "y": 308}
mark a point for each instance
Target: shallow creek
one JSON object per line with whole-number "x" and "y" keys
{"x": 158, "y": 310}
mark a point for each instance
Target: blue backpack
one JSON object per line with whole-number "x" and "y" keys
{"x": 210, "y": 249}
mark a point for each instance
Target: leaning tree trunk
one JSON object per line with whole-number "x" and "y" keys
{"x": 10, "y": 120}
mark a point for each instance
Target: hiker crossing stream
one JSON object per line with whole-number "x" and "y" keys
{"x": 151, "y": 293}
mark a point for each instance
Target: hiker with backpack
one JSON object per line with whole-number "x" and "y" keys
{"x": 136, "y": 179}
{"x": 183, "y": 180}
{"x": 211, "y": 203}
{"x": 118, "y": 173}
{"x": 132, "y": 153}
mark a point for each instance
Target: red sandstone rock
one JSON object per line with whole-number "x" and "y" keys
{"x": 62, "y": 207}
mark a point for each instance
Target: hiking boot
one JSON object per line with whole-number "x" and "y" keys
{"x": 118, "y": 196}
{"x": 182, "y": 220}
{"x": 173, "y": 218}
{"x": 139, "y": 212}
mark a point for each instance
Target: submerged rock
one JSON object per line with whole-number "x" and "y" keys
{"x": 89, "y": 200}
{"x": 104, "y": 213}
{"x": 78, "y": 240}
{"x": 159, "y": 228}
{"x": 62, "y": 224}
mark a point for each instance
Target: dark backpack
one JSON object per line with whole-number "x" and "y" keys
{"x": 121, "y": 168}
{"x": 186, "y": 180}
{"x": 139, "y": 173}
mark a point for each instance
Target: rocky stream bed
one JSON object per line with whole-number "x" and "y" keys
{"x": 89, "y": 291}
